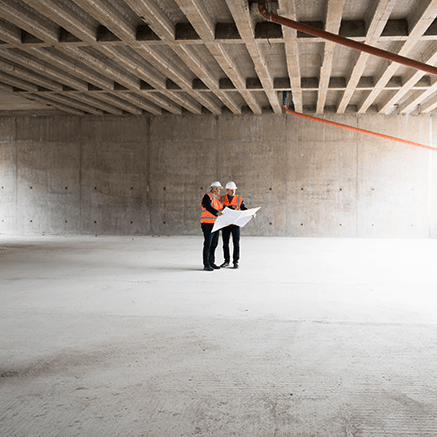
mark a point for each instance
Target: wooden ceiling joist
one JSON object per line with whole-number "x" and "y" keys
{"x": 204, "y": 56}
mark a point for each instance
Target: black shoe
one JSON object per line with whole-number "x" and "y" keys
{"x": 208, "y": 269}
{"x": 214, "y": 266}
{"x": 235, "y": 265}
{"x": 225, "y": 264}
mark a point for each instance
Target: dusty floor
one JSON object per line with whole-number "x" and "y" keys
{"x": 118, "y": 336}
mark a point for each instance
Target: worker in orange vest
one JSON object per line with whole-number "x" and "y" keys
{"x": 211, "y": 209}
{"x": 230, "y": 200}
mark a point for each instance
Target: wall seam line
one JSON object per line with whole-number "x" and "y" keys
{"x": 16, "y": 175}
{"x": 147, "y": 154}
{"x": 430, "y": 190}
{"x": 357, "y": 181}
{"x": 80, "y": 177}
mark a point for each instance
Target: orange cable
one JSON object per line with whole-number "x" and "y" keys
{"x": 354, "y": 45}
{"x": 356, "y": 129}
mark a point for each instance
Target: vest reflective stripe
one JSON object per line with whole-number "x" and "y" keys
{"x": 236, "y": 201}
{"x": 206, "y": 216}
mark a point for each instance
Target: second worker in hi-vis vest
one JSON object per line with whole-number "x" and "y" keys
{"x": 230, "y": 200}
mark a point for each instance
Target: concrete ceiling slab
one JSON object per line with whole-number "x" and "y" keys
{"x": 210, "y": 56}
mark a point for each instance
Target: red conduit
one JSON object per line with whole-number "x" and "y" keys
{"x": 356, "y": 129}
{"x": 345, "y": 41}
{"x": 354, "y": 45}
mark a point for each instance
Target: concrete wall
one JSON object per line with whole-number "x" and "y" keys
{"x": 146, "y": 175}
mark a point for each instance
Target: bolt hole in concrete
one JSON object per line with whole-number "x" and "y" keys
{"x": 8, "y": 374}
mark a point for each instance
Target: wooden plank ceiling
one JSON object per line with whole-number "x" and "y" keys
{"x": 94, "y": 57}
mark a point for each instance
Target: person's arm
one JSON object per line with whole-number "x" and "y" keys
{"x": 243, "y": 207}
{"x": 206, "y": 203}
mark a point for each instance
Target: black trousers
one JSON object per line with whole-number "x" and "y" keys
{"x": 226, "y": 236}
{"x": 210, "y": 242}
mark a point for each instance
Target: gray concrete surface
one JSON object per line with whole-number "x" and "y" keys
{"x": 214, "y": 56}
{"x": 146, "y": 175}
{"x": 127, "y": 336}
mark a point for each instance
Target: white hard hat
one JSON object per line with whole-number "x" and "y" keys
{"x": 231, "y": 186}
{"x": 216, "y": 184}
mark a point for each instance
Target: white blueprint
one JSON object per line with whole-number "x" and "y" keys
{"x": 232, "y": 217}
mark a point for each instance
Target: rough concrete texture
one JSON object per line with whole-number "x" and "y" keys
{"x": 122, "y": 336}
{"x": 146, "y": 175}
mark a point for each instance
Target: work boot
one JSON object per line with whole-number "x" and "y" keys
{"x": 208, "y": 269}
{"x": 225, "y": 264}
{"x": 235, "y": 265}
{"x": 215, "y": 266}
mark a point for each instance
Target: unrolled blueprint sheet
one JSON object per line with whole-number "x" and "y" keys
{"x": 232, "y": 217}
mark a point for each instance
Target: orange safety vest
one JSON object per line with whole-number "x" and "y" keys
{"x": 236, "y": 201}
{"x": 206, "y": 216}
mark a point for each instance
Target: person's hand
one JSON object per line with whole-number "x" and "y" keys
{"x": 254, "y": 216}
{"x": 219, "y": 213}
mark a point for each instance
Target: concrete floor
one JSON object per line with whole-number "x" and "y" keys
{"x": 122, "y": 336}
